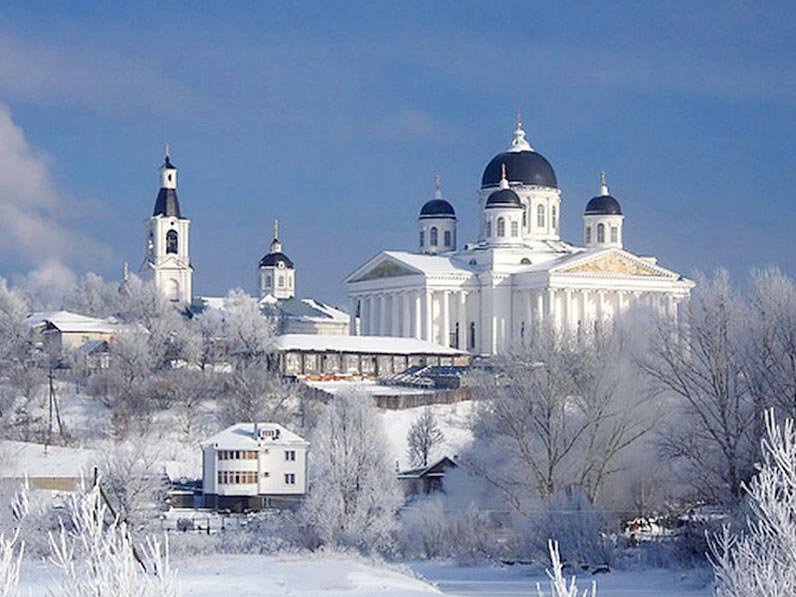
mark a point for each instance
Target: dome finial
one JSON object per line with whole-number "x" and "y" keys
{"x": 519, "y": 142}
{"x": 167, "y": 151}
{"x": 603, "y": 184}
{"x": 276, "y": 229}
{"x": 504, "y": 181}
{"x": 437, "y": 187}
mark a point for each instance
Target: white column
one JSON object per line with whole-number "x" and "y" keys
{"x": 406, "y": 317}
{"x": 395, "y": 328}
{"x": 622, "y": 304}
{"x": 569, "y": 312}
{"x": 550, "y": 315}
{"x": 373, "y": 327}
{"x": 384, "y": 316}
{"x": 364, "y": 316}
{"x": 462, "y": 316}
{"x": 528, "y": 303}
{"x": 418, "y": 315}
{"x": 352, "y": 318}
{"x": 428, "y": 317}
{"x": 601, "y": 305}
{"x": 539, "y": 307}
{"x": 446, "y": 318}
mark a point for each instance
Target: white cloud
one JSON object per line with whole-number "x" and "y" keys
{"x": 34, "y": 225}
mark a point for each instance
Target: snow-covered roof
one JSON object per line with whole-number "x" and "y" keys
{"x": 244, "y": 436}
{"x": 361, "y": 344}
{"x": 430, "y": 264}
{"x": 67, "y": 321}
{"x": 306, "y": 309}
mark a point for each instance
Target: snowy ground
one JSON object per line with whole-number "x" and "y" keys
{"x": 268, "y": 576}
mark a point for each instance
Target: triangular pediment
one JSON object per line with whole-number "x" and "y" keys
{"x": 382, "y": 267}
{"x": 616, "y": 262}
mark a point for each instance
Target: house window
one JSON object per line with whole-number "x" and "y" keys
{"x": 281, "y": 281}
{"x": 268, "y": 281}
{"x": 554, "y": 217}
{"x": 171, "y": 241}
{"x": 614, "y": 234}
{"x": 422, "y": 237}
{"x": 488, "y": 229}
{"x": 588, "y": 234}
{"x": 290, "y": 478}
{"x": 433, "y": 236}
{"x": 501, "y": 227}
{"x": 600, "y": 233}
{"x": 290, "y": 455}
{"x": 447, "y": 238}
{"x": 515, "y": 228}
{"x": 540, "y": 216}
{"x": 524, "y": 217}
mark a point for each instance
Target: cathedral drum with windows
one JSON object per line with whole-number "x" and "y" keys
{"x": 495, "y": 292}
{"x": 167, "y": 256}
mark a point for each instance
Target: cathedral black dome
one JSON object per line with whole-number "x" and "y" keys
{"x": 504, "y": 198}
{"x": 274, "y": 259}
{"x": 526, "y": 167}
{"x": 167, "y": 204}
{"x": 603, "y": 205}
{"x": 437, "y": 208}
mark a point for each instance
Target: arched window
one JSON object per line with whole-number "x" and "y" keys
{"x": 268, "y": 281}
{"x": 173, "y": 290}
{"x": 554, "y": 217}
{"x": 515, "y": 228}
{"x": 171, "y": 241}
{"x": 488, "y": 228}
{"x": 281, "y": 281}
{"x": 471, "y": 339}
{"x": 524, "y": 216}
{"x": 447, "y": 238}
{"x": 588, "y": 234}
{"x": 433, "y": 240}
{"x": 525, "y": 261}
{"x": 422, "y": 238}
{"x": 501, "y": 227}
{"x": 457, "y": 338}
{"x": 540, "y": 216}
{"x": 614, "y": 234}
{"x": 600, "y": 233}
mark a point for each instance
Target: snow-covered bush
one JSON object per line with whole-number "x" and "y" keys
{"x": 353, "y": 493}
{"x": 424, "y": 530}
{"x": 762, "y": 561}
{"x": 10, "y": 563}
{"x": 96, "y": 556}
{"x": 559, "y": 587}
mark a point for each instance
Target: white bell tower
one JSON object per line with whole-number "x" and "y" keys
{"x": 276, "y": 273}
{"x": 167, "y": 236}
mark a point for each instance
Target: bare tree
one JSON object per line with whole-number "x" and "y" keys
{"x": 424, "y": 435}
{"x": 557, "y": 414}
{"x": 700, "y": 369}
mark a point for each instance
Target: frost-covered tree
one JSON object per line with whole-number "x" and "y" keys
{"x": 95, "y": 555}
{"x": 559, "y": 587}
{"x": 424, "y": 435}
{"x": 558, "y": 414}
{"x": 701, "y": 369}
{"x": 131, "y": 481}
{"x": 10, "y": 563}
{"x": 762, "y": 561}
{"x": 353, "y": 493}
{"x": 94, "y": 297}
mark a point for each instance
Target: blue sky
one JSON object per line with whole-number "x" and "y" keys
{"x": 335, "y": 119}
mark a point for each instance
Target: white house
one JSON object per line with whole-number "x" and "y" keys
{"x": 251, "y": 466}
{"x": 64, "y": 331}
{"x": 493, "y": 293}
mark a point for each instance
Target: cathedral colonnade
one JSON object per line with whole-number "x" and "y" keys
{"x": 439, "y": 316}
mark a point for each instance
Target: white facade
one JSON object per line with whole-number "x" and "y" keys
{"x": 255, "y": 459}
{"x": 492, "y": 294}
{"x": 167, "y": 242}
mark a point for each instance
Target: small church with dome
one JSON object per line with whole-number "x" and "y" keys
{"x": 518, "y": 274}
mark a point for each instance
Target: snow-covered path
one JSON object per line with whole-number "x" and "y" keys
{"x": 516, "y": 581}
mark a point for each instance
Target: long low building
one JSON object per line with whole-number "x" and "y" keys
{"x": 307, "y": 355}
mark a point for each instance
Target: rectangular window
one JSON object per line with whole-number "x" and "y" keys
{"x": 290, "y": 479}
{"x": 447, "y": 238}
{"x": 290, "y": 455}
{"x": 515, "y": 228}
{"x": 614, "y": 234}
{"x": 422, "y": 238}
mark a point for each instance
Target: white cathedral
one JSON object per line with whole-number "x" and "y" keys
{"x": 491, "y": 294}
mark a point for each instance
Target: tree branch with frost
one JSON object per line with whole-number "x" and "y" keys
{"x": 559, "y": 587}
